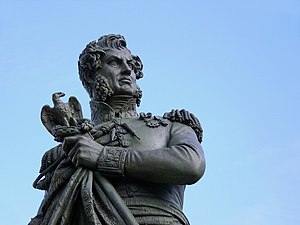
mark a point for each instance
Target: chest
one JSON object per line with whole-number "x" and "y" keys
{"x": 135, "y": 133}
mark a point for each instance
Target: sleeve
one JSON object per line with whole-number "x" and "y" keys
{"x": 181, "y": 162}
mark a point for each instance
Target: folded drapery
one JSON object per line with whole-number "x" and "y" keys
{"x": 86, "y": 198}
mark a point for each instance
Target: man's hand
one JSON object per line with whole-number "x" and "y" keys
{"x": 82, "y": 150}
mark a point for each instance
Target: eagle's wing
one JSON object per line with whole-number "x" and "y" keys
{"x": 47, "y": 117}
{"x": 75, "y": 107}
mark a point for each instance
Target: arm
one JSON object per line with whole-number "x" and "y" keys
{"x": 181, "y": 162}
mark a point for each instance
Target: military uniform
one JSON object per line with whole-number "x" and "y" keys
{"x": 148, "y": 159}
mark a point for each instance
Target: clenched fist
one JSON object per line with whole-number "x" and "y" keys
{"x": 82, "y": 150}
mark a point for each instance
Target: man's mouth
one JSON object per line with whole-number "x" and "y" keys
{"x": 125, "y": 80}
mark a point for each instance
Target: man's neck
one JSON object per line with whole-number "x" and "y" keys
{"x": 118, "y": 106}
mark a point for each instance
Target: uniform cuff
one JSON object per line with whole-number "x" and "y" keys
{"x": 112, "y": 160}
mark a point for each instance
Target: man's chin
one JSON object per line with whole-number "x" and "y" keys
{"x": 126, "y": 92}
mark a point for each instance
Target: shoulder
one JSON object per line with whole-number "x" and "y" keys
{"x": 185, "y": 117}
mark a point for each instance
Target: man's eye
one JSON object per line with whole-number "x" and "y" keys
{"x": 113, "y": 63}
{"x": 131, "y": 66}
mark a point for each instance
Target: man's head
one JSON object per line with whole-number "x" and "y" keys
{"x": 107, "y": 67}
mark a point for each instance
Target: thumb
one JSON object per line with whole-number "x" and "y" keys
{"x": 69, "y": 143}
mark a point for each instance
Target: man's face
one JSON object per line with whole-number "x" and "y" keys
{"x": 117, "y": 68}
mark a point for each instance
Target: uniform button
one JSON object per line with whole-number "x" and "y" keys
{"x": 132, "y": 188}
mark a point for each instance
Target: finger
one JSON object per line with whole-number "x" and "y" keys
{"x": 69, "y": 143}
{"x": 74, "y": 157}
{"x": 73, "y": 151}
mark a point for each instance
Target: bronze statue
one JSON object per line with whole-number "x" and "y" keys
{"x": 120, "y": 167}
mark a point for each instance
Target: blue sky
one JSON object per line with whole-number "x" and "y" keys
{"x": 234, "y": 64}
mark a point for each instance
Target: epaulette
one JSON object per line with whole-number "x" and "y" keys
{"x": 187, "y": 118}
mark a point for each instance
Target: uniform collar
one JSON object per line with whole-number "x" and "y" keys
{"x": 119, "y": 106}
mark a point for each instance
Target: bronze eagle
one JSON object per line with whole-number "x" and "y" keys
{"x": 62, "y": 114}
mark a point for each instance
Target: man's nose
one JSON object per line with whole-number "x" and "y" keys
{"x": 126, "y": 70}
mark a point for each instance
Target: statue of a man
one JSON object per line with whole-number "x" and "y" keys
{"x": 130, "y": 169}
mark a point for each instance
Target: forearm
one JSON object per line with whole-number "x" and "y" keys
{"x": 180, "y": 164}
{"x": 176, "y": 164}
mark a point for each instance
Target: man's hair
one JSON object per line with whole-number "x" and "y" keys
{"x": 90, "y": 58}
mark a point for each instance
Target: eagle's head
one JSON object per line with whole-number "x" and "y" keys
{"x": 57, "y": 95}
